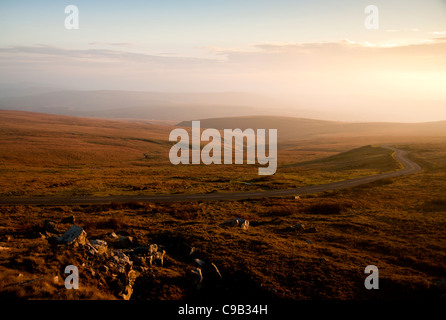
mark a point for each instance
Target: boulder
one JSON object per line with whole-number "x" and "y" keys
{"x": 100, "y": 245}
{"x": 185, "y": 250}
{"x": 199, "y": 262}
{"x": 237, "y": 222}
{"x": 113, "y": 235}
{"x": 196, "y": 278}
{"x": 158, "y": 257}
{"x": 298, "y": 227}
{"x": 147, "y": 250}
{"x": 125, "y": 242}
{"x": 123, "y": 284}
{"x": 75, "y": 235}
{"x": 49, "y": 226}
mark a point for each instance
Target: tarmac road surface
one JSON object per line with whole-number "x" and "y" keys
{"x": 409, "y": 167}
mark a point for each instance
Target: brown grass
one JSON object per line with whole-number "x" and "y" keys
{"x": 397, "y": 225}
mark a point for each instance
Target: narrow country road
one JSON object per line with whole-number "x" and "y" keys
{"x": 409, "y": 167}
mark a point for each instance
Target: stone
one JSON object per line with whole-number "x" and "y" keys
{"x": 113, "y": 235}
{"x": 40, "y": 235}
{"x": 199, "y": 262}
{"x": 159, "y": 258}
{"x": 237, "y": 222}
{"x": 125, "y": 242}
{"x": 100, "y": 245}
{"x": 185, "y": 250}
{"x": 308, "y": 241}
{"x": 148, "y": 250}
{"x": 49, "y": 226}
{"x": 196, "y": 278}
{"x": 75, "y": 235}
{"x": 128, "y": 281}
{"x": 121, "y": 258}
{"x": 298, "y": 227}
{"x": 88, "y": 248}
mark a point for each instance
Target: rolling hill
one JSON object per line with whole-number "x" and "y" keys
{"x": 290, "y": 128}
{"x": 141, "y": 105}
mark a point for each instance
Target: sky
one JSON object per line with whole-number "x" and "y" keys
{"x": 313, "y": 54}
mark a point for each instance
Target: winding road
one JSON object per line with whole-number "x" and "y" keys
{"x": 409, "y": 167}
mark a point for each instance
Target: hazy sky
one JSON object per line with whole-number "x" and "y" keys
{"x": 316, "y": 53}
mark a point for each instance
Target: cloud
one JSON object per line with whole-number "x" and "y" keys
{"x": 439, "y": 39}
{"x": 307, "y": 67}
{"x": 438, "y": 33}
{"x": 114, "y": 44}
{"x": 50, "y": 53}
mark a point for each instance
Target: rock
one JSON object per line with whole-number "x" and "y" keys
{"x": 113, "y": 235}
{"x": 121, "y": 258}
{"x": 53, "y": 240}
{"x": 123, "y": 284}
{"x": 185, "y": 250}
{"x": 104, "y": 268}
{"x": 98, "y": 242}
{"x": 298, "y": 227}
{"x": 148, "y": 250}
{"x": 88, "y": 248}
{"x": 40, "y": 235}
{"x": 211, "y": 273}
{"x": 49, "y": 226}
{"x": 125, "y": 242}
{"x": 196, "y": 278}
{"x": 100, "y": 245}
{"x": 308, "y": 241}
{"x": 199, "y": 262}
{"x": 75, "y": 235}
{"x": 158, "y": 258}
{"x": 69, "y": 219}
{"x": 296, "y": 197}
{"x": 141, "y": 261}
{"x": 237, "y": 222}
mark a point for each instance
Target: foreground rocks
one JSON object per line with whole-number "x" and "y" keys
{"x": 237, "y": 222}
{"x": 75, "y": 235}
{"x": 120, "y": 260}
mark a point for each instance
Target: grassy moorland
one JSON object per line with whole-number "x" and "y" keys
{"x": 314, "y": 247}
{"x": 63, "y": 156}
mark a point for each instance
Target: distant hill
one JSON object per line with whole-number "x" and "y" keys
{"x": 142, "y": 105}
{"x": 299, "y": 128}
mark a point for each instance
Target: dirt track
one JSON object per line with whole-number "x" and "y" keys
{"x": 409, "y": 167}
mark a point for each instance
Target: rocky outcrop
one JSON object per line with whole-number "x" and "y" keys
{"x": 75, "y": 235}
{"x": 119, "y": 261}
{"x": 236, "y": 222}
